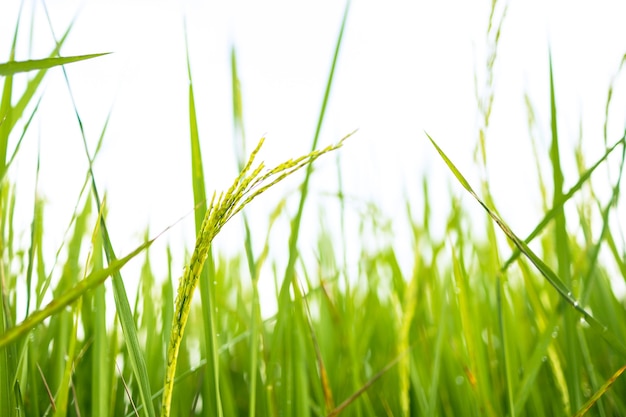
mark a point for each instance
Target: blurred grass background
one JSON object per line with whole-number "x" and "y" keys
{"x": 471, "y": 327}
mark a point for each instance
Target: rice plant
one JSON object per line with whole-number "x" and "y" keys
{"x": 495, "y": 323}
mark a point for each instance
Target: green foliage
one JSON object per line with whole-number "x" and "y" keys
{"x": 467, "y": 331}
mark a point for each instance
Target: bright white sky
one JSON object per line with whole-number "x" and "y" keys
{"x": 404, "y": 68}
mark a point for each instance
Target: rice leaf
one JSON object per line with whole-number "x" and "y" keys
{"x": 409, "y": 307}
{"x": 253, "y": 265}
{"x": 563, "y": 256}
{"x": 365, "y": 386}
{"x": 536, "y": 360}
{"x": 9, "y": 115}
{"x": 103, "y": 368}
{"x": 14, "y": 67}
{"x": 505, "y": 349}
{"x": 20, "y": 140}
{"x": 211, "y": 398}
{"x": 6, "y": 117}
{"x": 304, "y": 189}
{"x": 125, "y": 316}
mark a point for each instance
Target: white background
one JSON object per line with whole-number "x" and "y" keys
{"x": 404, "y": 68}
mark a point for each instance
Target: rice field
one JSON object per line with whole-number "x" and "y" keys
{"x": 496, "y": 323}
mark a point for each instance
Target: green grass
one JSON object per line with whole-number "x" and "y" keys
{"x": 475, "y": 327}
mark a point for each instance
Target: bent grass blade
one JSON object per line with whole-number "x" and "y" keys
{"x": 59, "y": 303}
{"x": 547, "y": 273}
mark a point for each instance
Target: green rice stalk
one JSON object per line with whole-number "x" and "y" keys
{"x": 211, "y": 388}
{"x": 609, "y": 98}
{"x": 352, "y": 398}
{"x": 240, "y": 151}
{"x": 409, "y": 307}
{"x": 564, "y": 259}
{"x": 288, "y": 334}
{"x": 506, "y": 355}
{"x": 329, "y": 402}
{"x": 535, "y": 361}
{"x": 249, "y": 184}
{"x": 6, "y": 119}
{"x": 304, "y": 189}
{"x": 103, "y": 368}
{"x": 605, "y": 231}
{"x": 20, "y": 140}
{"x": 9, "y": 115}
{"x": 485, "y": 103}
{"x": 476, "y": 367}
{"x": 532, "y": 123}
{"x": 598, "y": 394}
{"x": 64, "y": 387}
{"x": 253, "y": 266}
{"x": 8, "y": 354}
{"x": 8, "y": 357}
{"x": 35, "y": 234}
{"x": 436, "y": 375}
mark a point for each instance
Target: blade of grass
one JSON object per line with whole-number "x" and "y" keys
{"x": 102, "y": 368}
{"x": 6, "y": 112}
{"x": 505, "y": 350}
{"x": 598, "y": 394}
{"x": 304, "y": 189}
{"x": 240, "y": 152}
{"x": 64, "y": 338}
{"x": 284, "y": 333}
{"x": 469, "y": 327}
{"x": 212, "y": 403}
{"x": 563, "y": 256}
{"x": 366, "y": 386}
{"x": 609, "y": 97}
{"x": 19, "y": 141}
{"x": 14, "y": 67}
{"x": 254, "y": 265}
{"x": 64, "y": 387}
{"x": 535, "y": 361}
{"x": 408, "y": 313}
{"x": 329, "y": 402}
{"x": 10, "y": 115}
{"x": 8, "y": 354}
{"x": 35, "y": 236}
{"x": 605, "y": 231}
{"x": 125, "y": 317}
